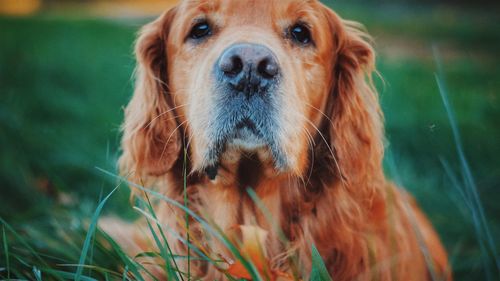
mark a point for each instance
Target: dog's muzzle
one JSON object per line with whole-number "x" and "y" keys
{"x": 247, "y": 80}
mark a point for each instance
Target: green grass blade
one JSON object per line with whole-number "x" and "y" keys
{"x": 412, "y": 219}
{"x": 37, "y": 273}
{"x": 129, "y": 263}
{"x": 69, "y": 275}
{"x": 170, "y": 274}
{"x": 176, "y": 235}
{"x": 455, "y": 183}
{"x": 178, "y": 257}
{"x": 95, "y": 268}
{"x": 91, "y": 255}
{"x": 165, "y": 241}
{"x": 125, "y": 272}
{"x": 91, "y": 232}
{"x": 186, "y": 205}
{"x": 483, "y": 227}
{"x": 267, "y": 214}
{"x": 25, "y": 244}
{"x": 6, "y": 252}
{"x": 281, "y": 235}
{"x": 248, "y": 264}
{"x": 318, "y": 270}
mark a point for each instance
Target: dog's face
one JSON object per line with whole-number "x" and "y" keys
{"x": 254, "y": 77}
{"x": 250, "y": 77}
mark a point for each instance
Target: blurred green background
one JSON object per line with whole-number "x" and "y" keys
{"x": 65, "y": 75}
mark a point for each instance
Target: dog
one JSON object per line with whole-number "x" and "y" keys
{"x": 261, "y": 117}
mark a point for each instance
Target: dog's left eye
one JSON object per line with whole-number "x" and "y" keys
{"x": 300, "y": 33}
{"x": 200, "y": 30}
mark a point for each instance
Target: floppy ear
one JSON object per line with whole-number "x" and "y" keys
{"x": 356, "y": 132}
{"x": 150, "y": 142}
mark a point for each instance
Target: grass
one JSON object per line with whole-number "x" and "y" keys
{"x": 472, "y": 199}
{"x": 63, "y": 82}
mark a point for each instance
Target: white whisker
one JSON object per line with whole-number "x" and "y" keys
{"x": 163, "y": 113}
{"x": 168, "y": 139}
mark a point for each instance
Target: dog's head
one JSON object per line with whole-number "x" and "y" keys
{"x": 277, "y": 79}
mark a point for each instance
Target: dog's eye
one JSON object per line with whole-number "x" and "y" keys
{"x": 300, "y": 33}
{"x": 200, "y": 30}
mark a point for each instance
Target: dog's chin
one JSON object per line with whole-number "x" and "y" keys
{"x": 246, "y": 140}
{"x": 243, "y": 142}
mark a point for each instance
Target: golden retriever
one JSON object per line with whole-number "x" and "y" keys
{"x": 271, "y": 98}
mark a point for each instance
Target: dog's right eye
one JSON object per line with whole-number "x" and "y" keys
{"x": 200, "y": 30}
{"x": 301, "y": 33}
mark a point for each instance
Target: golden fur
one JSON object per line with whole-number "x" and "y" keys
{"x": 333, "y": 192}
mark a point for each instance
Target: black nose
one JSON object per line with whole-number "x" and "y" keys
{"x": 249, "y": 68}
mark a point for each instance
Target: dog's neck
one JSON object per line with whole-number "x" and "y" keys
{"x": 295, "y": 196}
{"x": 250, "y": 170}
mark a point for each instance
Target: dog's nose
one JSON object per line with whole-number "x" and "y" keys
{"x": 248, "y": 67}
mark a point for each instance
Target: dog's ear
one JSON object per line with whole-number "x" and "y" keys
{"x": 150, "y": 142}
{"x": 356, "y": 130}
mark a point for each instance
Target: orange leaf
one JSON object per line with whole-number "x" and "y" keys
{"x": 252, "y": 249}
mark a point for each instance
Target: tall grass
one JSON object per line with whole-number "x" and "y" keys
{"x": 90, "y": 235}
{"x": 468, "y": 186}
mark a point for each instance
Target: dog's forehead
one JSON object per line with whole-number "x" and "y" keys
{"x": 250, "y": 11}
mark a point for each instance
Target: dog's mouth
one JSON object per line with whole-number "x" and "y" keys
{"x": 247, "y": 123}
{"x": 246, "y": 137}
